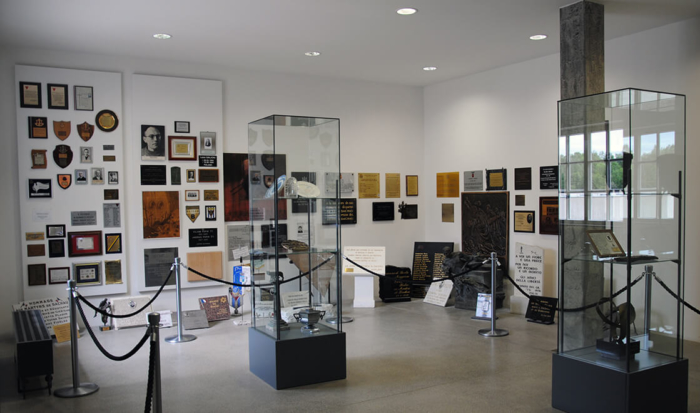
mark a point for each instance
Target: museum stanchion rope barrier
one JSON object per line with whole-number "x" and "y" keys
{"x": 493, "y": 331}
{"x": 179, "y": 338}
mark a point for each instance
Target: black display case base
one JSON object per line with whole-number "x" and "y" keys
{"x": 582, "y": 386}
{"x": 297, "y": 361}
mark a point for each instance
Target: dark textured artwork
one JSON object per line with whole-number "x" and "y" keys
{"x": 237, "y": 189}
{"x": 485, "y": 224}
{"x": 161, "y": 214}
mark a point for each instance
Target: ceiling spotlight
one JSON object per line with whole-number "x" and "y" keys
{"x": 429, "y": 68}
{"x": 406, "y": 11}
{"x": 162, "y": 36}
{"x": 538, "y": 37}
{"x": 313, "y": 54}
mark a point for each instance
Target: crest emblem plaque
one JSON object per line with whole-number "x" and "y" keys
{"x": 192, "y": 212}
{"x": 85, "y": 130}
{"x": 64, "y": 180}
{"x": 62, "y": 155}
{"x": 61, "y": 129}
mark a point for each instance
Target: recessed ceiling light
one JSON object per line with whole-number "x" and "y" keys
{"x": 406, "y": 11}
{"x": 429, "y": 68}
{"x": 313, "y": 54}
{"x": 538, "y": 37}
{"x": 162, "y": 36}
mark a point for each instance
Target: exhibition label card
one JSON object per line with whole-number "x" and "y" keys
{"x": 372, "y": 258}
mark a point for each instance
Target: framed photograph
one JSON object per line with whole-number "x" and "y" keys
{"x": 191, "y": 177}
{"x": 98, "y": 176}
{"x": 113, "y": 178}
{"x": 36, "y": 274}
{"x": 58, "y": 96}
{"x": 549, "y": 215}
{"x": 81, "y": 176}
{"x": 57, "y": 248}
{"x": 605, "y": 243}
{"x": 182, "y": 148}
{"x": 39, "y": 188}
{"x": 30, "y": 95}
{"x": 59, "y": 275}
{"x": 113, "y": 243}
{"x": 82, "y": 96}
{"x": 255, "y": 177}
{"x": 207, "y": 143}
{"x": 84, "y": 243}
{"x": 210, "y": 212}
{"x": 87, "y": 273}
{"x": 182, "y": 127}
{"x": 192, "y": 195}
{"x": 55, "y": 231}
{"x": 152, "y": 143}
{"x": 523, "y": 221}
{"x": 411, "y": 185}
{"x": 86, "y": 154}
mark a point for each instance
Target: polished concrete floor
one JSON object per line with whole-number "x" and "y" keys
{"x": 402, "y": 357}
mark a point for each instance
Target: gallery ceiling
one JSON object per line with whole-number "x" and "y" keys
{"x": 358, "y": 39}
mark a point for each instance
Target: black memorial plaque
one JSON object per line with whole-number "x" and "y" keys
{"x": 153, "y": 175}
{"x": 207, "y": 161}
{"x": 427, "y": 264}
{"x": 391, "y": 291}
{"x": 157, "y": 264}
{"x": 175, "y": 175}
{"x": 549, "y": 177}
{"x": 541, "y": 310}
{"x": 111, "y": 194}
{"x": 410, "y": 211}
{"x": 348, "y": 211}
{"x": 203, "y": 237}
{"x": 523, "y": 178}
{"x": 382, "y": 211}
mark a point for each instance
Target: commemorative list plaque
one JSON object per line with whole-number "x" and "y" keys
{"x": 391, "y": 291}
{"x": 157, "y": 263}
{"x": 541, "y": 310}
{"x": 382, "y": 211}
{"x": 549, "y": 177}
{"x": 78, "y": 218}
{"x": 153, "y": 174}
{"x": 523, "y": 178}
{"x": 202, "y": 237}
{"x": 348, "y": 211}
{"x": 427, "y": 264}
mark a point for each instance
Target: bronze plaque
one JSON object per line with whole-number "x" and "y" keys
{"x": 109, "y": 158}
{"x": 63, "y": 155}
{"x": 211, "y": 194}
{"x": 85, "y": 130}
{"x": 33, "y": 236}
{"x": 38, "y": 159}
{"x": 61, "y": 129}
{"x": 107, "y": 120}
{"x": 111, "y": 194}
{"x": 38, "y": 127}
{"x": 208, "y": 175}
{"x": 64, "y": 180}
{"x": 36, "y": 250}
{"x": 113, "y": 272}
{"x": 216, "y": 308}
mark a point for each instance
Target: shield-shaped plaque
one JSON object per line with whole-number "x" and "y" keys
{"x": 85, "y": 130}
{"x": 61, "y": 129}
{"x": 192, "y": 212}
{"x": 64, "y": 180}
{"x": 62, "y": 155}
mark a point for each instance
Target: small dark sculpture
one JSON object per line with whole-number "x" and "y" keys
{"x": 459, "y": 263}
{"x": 106, "y": 307}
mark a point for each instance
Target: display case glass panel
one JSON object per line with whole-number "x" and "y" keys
{"x": 622, "y": 228}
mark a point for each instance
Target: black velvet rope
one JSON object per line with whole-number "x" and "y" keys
{"x": 97, "y": 310}
{"x": 102, "y": 349}
{"x": 449, "y": 277}
{"x": 151, "y": 375}
{"x": 674, "y": 294}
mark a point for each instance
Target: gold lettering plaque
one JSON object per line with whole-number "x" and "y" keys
{"x": 448, "y": 185}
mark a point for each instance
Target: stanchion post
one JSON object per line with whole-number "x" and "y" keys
{"x": 179, "y": 338}
{"x": 648, "y": 275}
{"x": 78, "y": 389}
{"x": 493, "y": 332}
{"x": 154, "y": 323}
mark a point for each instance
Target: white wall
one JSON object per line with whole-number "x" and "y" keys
{"x": 507, "y": 117}
{"x": 381, "y": 131}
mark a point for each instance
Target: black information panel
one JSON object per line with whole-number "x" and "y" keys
{"x": 156, "y": 265}
{"x": 549, "y": 177}
{"x": 541, "y": 310}
{"x": 153, "y": 175}
{"x": 382, "y": 211}
{"x": 427, "y": 264}
{"x": 348, "y": 211}
{"x": 203, "y": 237}
{"x": 390, "y": 291}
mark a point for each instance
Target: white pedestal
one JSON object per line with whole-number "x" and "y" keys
{"x": 364, "y": 291}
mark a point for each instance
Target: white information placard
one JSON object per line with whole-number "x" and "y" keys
{"x": 295, "y": 299}
{"x": 54, "y": 310}
{"x": 439, "y": 293}
{"x": 529, "y": 268}
{"x": 372, "y": 258}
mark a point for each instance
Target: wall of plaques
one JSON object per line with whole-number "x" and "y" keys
{"x": 71, "y": 179}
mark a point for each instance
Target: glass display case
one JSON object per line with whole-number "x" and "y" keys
{"x": 621, "y": 235}
{"x": 294, "y": 170}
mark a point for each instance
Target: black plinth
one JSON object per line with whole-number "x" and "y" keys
{"x": 583, "y": 386}
{"x": 297, "y": 360}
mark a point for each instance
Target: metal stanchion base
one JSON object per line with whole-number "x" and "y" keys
{"x": 185, "y": 338}
{"x": 334, "y": 320}
{"x": 487, "y": 332}
{"x": 83, "y": 390}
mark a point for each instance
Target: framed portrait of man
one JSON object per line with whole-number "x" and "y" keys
{"x": 152, "y": 142}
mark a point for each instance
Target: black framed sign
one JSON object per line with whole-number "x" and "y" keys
{"x": 382, "y": 211}
{"x": 30, "y": 95}
{"x": 58, "y": 96}
{"x": 524, "y": 221}
{"x": 82, "y": 98}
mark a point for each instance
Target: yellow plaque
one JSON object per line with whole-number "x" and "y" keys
{"x": 448, "y": 212}
{"x": 393, "y": 185}
{"x": 182, "y": 148}
{"x": 34, "y": 236}
{"x": 62, "y": 332}
{"x": 411, "y": 185}
{"x": 368, "y": 185}
{"x": 448, "y": 185}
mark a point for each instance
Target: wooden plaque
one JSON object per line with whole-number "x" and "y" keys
{"x": 208, "y": 263}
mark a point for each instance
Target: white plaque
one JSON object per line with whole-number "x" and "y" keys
{"x": 529, "y": 268}
{"x": 41, "y": 216}
{"x": 295, "y": 299}
{"x": 347, "y": 183}
{"x": 473, "y": 181}
{"x": 439, "y": 293}
{"x": 54, "y": 310}
{"x": 372, "y": 258}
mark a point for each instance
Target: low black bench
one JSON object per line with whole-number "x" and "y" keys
{"x": 33, "y": 350}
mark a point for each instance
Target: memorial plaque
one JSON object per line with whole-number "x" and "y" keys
{"x": 85, "y": 131}
{"x": 207, "y": 161}
{"x": 448, "y": 212}
{"x": 34, "y": 236}
{"x": 473, "y": 181}
{"x": 427, "y": 264}
{"x": 127, "y": 305}
{"x": 157, "y": 263}
{"x": 36, "y": 250}
{"x": 57, "y": 248}
{"x": 541, "y": 310}
{"x": 59, "y": 275}
{"x": 64, "y": 180}
{"x": 38, "y": 127}
{"x": 111, "y": 194}
{"x": 211, "y": 195}
{"x": 153, "y": 175}
{"x": 302, "y": 205}
{"x": 390, "y": 291}
{"x": 61, "y": 129}
{"x": 39, "y": 188}
{"x": 107, "y": 147}
{"x": 30, "y": 95}
{"x": 80, "y": 218}
{"x": 529, "y": 268}
{"x": 440, "y": 294}
{"x": 549, "y": 177}
{"x": 368, "y": 184}
{"x": 496, "y": 179}
{"x": 215, "y": 308}
{"x": 208, "y": 175}
{"x": 194, "y": 319}
{"x": 36, "y": 274}
{"x": 447, "y": 184}
{"x": 485, "y": 224}
{"x": 58, "y": 96}
{"x": 112, "y": 215}
{"x": 408, "y": 211}
{"x": 411, "y": 185}
{"x": 38, "y": 159}
{"x": 348, "y": 211}
{"x": 203, "y": 237}
{"x": 238, "y": 237}
{"x": 347, "y": 183}
{"x": 113, "y": 272}
{"x": 383, "y": 211}
{"x": 520, "y": 200}
{"x": 109, "y": 158}
{"x": 524, "y": 221}
{"x": 523, "y": 178}
{"x": 54, "y": 311}
{"x": 392, "y": 185}
{"x": 549, "y": 215}
{"x": 175, "y": 175}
